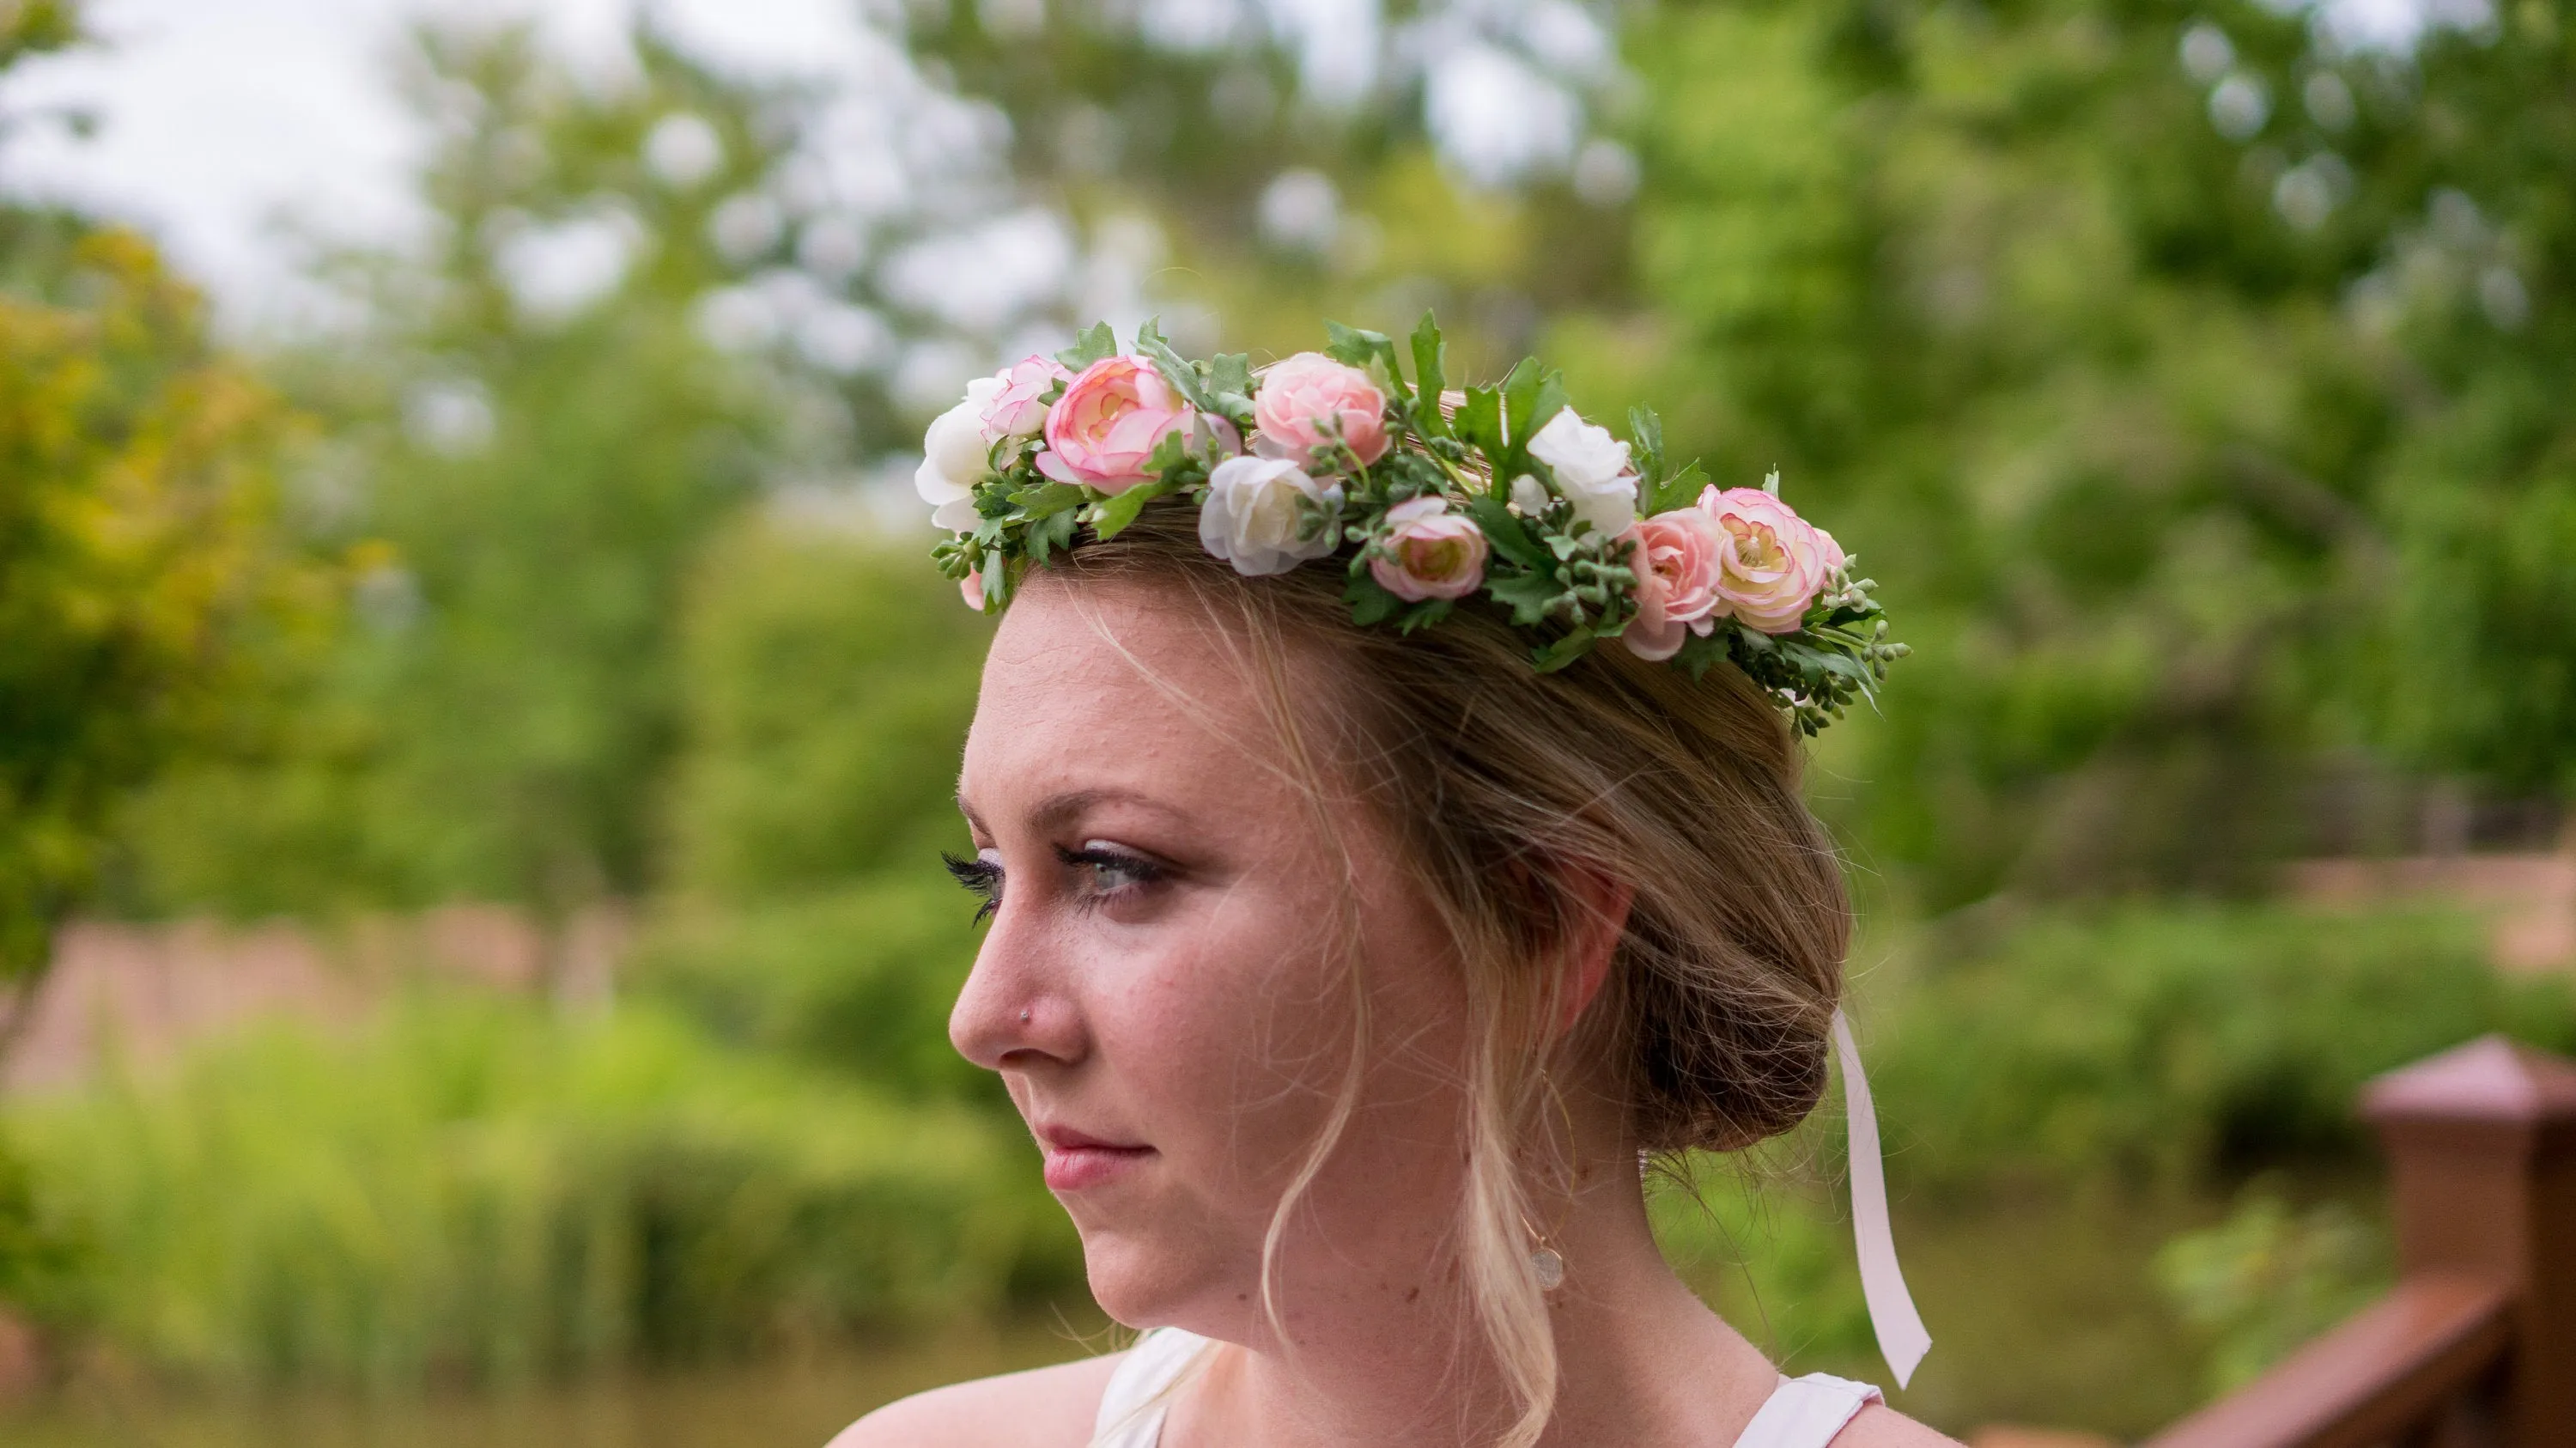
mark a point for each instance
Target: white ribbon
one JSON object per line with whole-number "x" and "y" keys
{"x": 1902, "y": 1339}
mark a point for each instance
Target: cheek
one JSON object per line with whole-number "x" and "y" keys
{"x": 1239, "y": 1032}
{"x": 1235, "y": 1031}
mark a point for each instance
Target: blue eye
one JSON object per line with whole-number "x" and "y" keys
{"x": 1113, "y": 871}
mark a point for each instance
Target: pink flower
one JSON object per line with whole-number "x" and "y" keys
{"x": 1310, "y": 399}
{"x": 971, "y": 587}
{"x": 1430, "y": 552}
{"x": 1107, "y": 423}
{"x": 1774, "y": 562}
{"x": 1017, "y": 410}
{"x": 1677, "y": 559}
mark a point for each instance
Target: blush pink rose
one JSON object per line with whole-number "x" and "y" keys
{"x": 971, "y": 588}
{"x": 1309, "y": 399}
{"x": 1677, "y": 557}
{"x": 1019, "y": 409}
{"x": 1108, "y": 422}
{"x": 1774, "y": 562}
{"x": 1430, "y": 552}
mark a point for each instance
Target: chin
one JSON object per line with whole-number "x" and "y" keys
{"x": 1172, "y": 1278}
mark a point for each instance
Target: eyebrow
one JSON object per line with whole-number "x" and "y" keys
{"x": 1055, "y": 809}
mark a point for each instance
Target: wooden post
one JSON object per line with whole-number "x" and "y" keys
{"x": 2481, "y": 1144}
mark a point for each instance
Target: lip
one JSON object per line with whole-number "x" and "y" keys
{"x": 1077, "y": 1161}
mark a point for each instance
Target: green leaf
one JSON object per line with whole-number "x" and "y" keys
{"x": 1423, "y": 614}
{"x": 1168, "y": 454}
{"x": 1530, "y": 594}
{"x": 1369, "y": 600}
{"x": 1563, "y": 652}
{"x": 1175, "y": 368}
{"x": 1508, "y": 536}
{"x": 1356, "y": 346}
{"x": 1678, "y": 491}
{"x": 1646, "y": 446}
{"x": 1430, "y": 375}
{"x": 1229, "y": 382}
{"x": 1531, "y": 398}
{"x": 1552, "y": 399}
{"x": 1698, "y": 653}
{"x": 1094, "y": 344}
{"x": 1480, "y": 422}
{"x": 1120, "y": 509}
{"x": 1046, "y": 498}
{"x": 1520, "y": 395}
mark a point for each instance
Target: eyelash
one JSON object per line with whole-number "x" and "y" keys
{"x": 1139, "y": 870}
{"x": 983, "y": 878}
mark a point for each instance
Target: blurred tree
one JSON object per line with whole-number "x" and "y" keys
{"x": 142, "y": 584}
{"x": 829, "y": 678}
{"x": 2062, "y": 315}
{"x": 1247, "y": 169}
{"x": 2475, "y": 284}
{"x": 530, "y": 437}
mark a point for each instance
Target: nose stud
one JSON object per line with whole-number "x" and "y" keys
{"x": 1024, "y": 1017}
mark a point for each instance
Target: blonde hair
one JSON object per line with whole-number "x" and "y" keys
{"x": 1502, "y": 788}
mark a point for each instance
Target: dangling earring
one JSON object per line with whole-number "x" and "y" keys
{"x": 1545, "y": 1261}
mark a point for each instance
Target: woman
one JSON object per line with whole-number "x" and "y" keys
{"x": 1348, "y": 968}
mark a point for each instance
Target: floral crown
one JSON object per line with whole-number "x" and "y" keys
{"x": 1433, "y": 496}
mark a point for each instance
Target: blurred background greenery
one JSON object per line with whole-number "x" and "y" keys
{"x": 2192, "y": 375}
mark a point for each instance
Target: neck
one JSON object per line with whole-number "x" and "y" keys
{"x": 1402, "y": 1360}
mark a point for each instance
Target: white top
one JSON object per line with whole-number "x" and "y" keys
{"x": 1801, "y": 1413}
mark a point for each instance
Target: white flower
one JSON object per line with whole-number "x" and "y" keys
{"x": 1251, "y": 516}
{"x": 1591, "y": 470}
{"x": 955, "y": 456}
{"x": 1530, "y": 496}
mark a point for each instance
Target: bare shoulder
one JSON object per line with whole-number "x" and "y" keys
{"x": 1880, "y": 1426}
{"x": 1041, "y": 1408}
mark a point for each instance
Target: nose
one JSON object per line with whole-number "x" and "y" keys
{"x": 1014, "y": 1012}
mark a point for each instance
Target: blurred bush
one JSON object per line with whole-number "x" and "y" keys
{"x": 858, "y": 980}
{"x": 2089, "y": 1116}
{"x": 827, "y": 679}
{"x": 2270, "y": 1278}
{"x": 481, "y": 1190}
{"x": 2175, "y": 1043}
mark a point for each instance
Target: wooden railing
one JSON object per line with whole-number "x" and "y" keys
{"x": 2476, "y": 1345}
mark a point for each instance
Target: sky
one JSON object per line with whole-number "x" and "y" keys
{"x": 218, "y": 116}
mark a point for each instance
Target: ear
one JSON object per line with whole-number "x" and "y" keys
{"x": 1599, "y": 918}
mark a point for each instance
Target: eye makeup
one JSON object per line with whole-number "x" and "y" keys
{"x": 1116, "y": 873}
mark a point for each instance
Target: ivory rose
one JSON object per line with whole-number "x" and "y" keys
{"x": 1252, "y": 516}
{"x": 1677, "y": 558}
{"x": 1310, "y": 399}
{"x": 1107, "y": 423}
{"x": 955, "y": 456}
{"x": 1774, "y": 562}
{"x": 1591, "y": 469}
{"x": 1018, "y": 409}
{"x": 1430, "y": 552}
